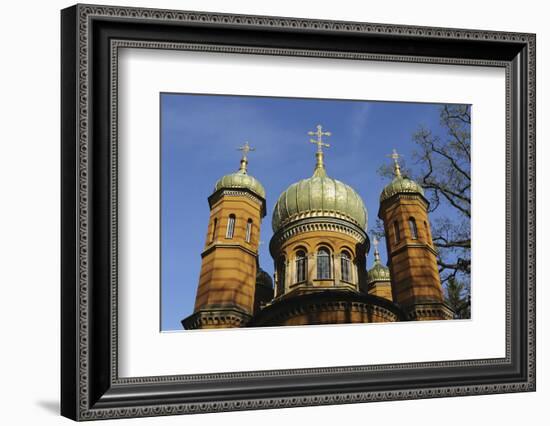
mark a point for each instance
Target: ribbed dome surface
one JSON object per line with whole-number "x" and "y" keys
{"x": 378, "y": 273}
{"x": 401, "y": 185}
{"x": 240, "y": 180}
{"x": 319, "y": 196}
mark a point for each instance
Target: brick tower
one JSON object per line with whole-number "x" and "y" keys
{"x": 416, "y": 285}
{"x": 227, "y": 282}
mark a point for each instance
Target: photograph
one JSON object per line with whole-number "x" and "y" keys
{"x": 279, "y": 211}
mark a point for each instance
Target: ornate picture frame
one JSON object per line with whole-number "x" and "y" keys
{"x": 91, "y": 37}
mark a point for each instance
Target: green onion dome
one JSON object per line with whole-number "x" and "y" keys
{"x": 378, "y": 272}
{"x": 319, "y": 196}
{"x": 400, "y": 185}
{"x": 241, "y": 180}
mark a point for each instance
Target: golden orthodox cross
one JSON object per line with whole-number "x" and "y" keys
{"x": 376, "y": 253}
{"x": 319, "y": 141}
{"x": 245, "y": 150}
{"x": 395, "y": 157}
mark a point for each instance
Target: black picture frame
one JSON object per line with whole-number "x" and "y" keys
{"x": 90, "y": 386}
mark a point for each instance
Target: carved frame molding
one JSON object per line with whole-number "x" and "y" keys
{"x": 91, "y": 388}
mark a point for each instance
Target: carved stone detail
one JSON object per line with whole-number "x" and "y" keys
{"x": 216, "y": 318}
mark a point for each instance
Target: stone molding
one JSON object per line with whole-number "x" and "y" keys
{"x": 228, "y": 317}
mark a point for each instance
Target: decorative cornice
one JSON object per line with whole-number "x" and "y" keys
{"x": 216, "y": 317}
{"x": 330, "y": 307}
{"x": 402, "y": 196}
{"x": 237, "y": 192}
{"x": 214, "y": 246}
{"x": 316, "y": 214}
{"x": 325, "y": 301}
{"x": 407, "y": 245}
{"x": 422, "y": 311}
{"x": 328, "y": 224}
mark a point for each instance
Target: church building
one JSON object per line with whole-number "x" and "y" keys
{"x": 319, "y": 247}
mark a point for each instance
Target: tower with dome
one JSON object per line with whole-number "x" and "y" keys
{"x": 319, "y": 245}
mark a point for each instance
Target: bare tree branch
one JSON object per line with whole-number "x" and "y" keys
{"x": 443, "y": 169}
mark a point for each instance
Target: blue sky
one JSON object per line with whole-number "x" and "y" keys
{"x": 199, "y": 139}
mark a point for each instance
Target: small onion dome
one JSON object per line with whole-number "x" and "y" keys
{"x": 319, "y": 196}
{"x": 263, "y": 279}
{"x": 378, "y": 273}
{"x": 401, "y": 185}
{"x": 241, "y": 179}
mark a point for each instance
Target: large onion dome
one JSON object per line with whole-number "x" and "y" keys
{"x": 319, "y": 196}
{"x": 400, "y": 184}
{"x": 241, "y": 179}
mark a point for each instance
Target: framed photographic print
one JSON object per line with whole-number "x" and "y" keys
{"x": 263, "y": 212}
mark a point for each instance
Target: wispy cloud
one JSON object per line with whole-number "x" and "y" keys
{"x": 358, "y": 122}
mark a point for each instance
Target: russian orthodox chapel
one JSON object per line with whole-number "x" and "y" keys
{"x": 319, "y": 247}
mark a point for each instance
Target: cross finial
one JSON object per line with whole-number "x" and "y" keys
{"x": 395, "y": 157}
{"x": 319, "y": 167}
{"x": 245, "y": 149}
{"x": 376, "y": 253}
{"x": 319, "y": 141}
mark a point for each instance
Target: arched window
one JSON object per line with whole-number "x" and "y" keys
{"x": 281, "y": 274}
{"x": 301, "y": 266}
{"x": 323, "y": 264}
{"x": 396, "y": 231}
{"x": 230, "y": 227}
{"x": 345, "y": 265}
{"x": 414, "y": 230}
{"x": 214, "y": 230}
{"x": 248, "y": 230}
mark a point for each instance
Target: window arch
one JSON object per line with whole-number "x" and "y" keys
{"x": 323, "y": 264}
{"x": 214, "y": 233}
{"x": 413, "y": 228}
{"x": 345, "y": 266}
{"x": 281, "y": 275}
{"x": 230, "y": 227}
{"x": 301, "y": 266}
{"x": 397, "y": 235}
{"x": 248, "y": 236}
